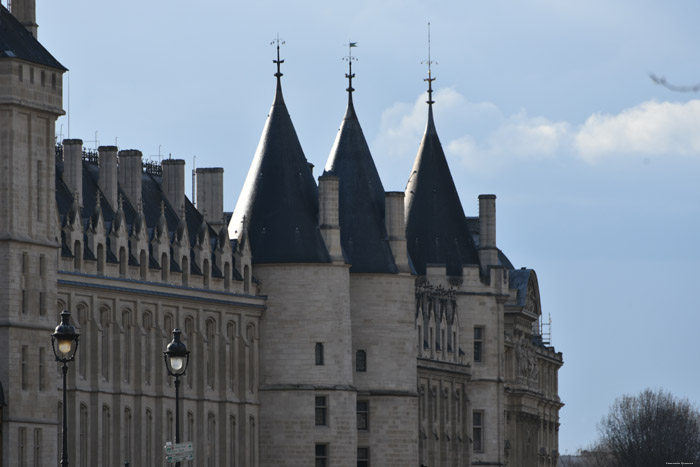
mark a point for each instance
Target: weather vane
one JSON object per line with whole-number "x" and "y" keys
{"x": 430, "y": 78}
{"x": 278, "y": 62}
{"x": 350, "y": 75}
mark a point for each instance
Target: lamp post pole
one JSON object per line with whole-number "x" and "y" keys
{"x": 177, "y": 359}
{"x": 67, "y": 340}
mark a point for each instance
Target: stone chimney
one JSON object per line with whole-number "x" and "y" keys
{"x": 210, "y": 194}
{"x": 107, "y": 177}
{"x": 25, "y": 12}
{"x": 73, "y": 166}
{"x": 174, "y": 182}
{"x": 130, "y": 172}
{"x": 488, "y": 252}
{"x": 329, "y": 218}
{"x": 394, "y": 218}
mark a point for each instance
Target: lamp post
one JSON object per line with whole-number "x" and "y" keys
{"x": 67, "y": 340}
{"x": 177, "y": 358}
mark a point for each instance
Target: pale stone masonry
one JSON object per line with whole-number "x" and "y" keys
{"x": 330, "y": 323}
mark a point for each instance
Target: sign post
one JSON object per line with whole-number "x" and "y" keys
{"x": 178, "y": 452}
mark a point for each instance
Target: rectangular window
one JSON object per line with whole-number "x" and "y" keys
{"x": 22, "y": 447}
{"x": 319, "y": 353}
{"x": 362, "y": 457}
{"x": 43, "y": 78}
{"x": 478, "y": 344}
{"x": 321, "y": 410}
{"x": 361, "y": 360}
{"x": 363, "y": 415}
{"x": 321, "y": 455}
{"x": 31, "y": 75}
{"x": 21, "y": 73}
{"x": 477, "y": 429}
{"x": 37, "y": 447}
{"x": 42, "y": 358}
{"x": 25, "y": 379}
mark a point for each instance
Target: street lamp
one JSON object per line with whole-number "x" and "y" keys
{"x": 177, "y": 358}
{"x": 67, "y": 340}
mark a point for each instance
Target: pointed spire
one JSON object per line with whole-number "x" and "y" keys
{"x": 278, "y": 95}
{"x": 350, "y": 75}
{"x": 430, "y": 78}
{"x": 363, "y": 235}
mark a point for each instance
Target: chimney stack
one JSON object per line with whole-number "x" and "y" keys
{"x": 394, "y": 218}
{"x": 174, "y": 182}
{"x": 107, "y": 176}
{"x": 488, "y": 252}
{"x": 210, "y": 194}
{"x": 73, "y": 166}
{"x": 130, "y": 172}
{"x": 25, "y": 12}
{"x": 329, "y": 217}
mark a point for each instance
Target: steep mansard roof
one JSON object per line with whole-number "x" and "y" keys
{"x": 279, "y": 199}
{"x": 436, "y": 229}
{"x": 17, "y": 42}
{"x": 363, "y": 234}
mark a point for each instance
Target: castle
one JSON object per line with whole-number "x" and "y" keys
{"x": 329, "y": 323}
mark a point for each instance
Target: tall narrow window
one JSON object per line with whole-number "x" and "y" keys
{"x": 360, "y": 360}
{"x": 126, "y": 352}
{"x": 246, "y": 279}
{"x": 104, "y": 321}
{"x": 321, "y": 455}
{"x": 25, "y": 377}
{"x": 106, "y": 437}
{"x": 127, "y": 435}
{"x": 477, "y": 429}
{"x": 319, "y": 353}
{"x": 478, "y": 344}
{"x": 363, "y": 415}
{"x": 185, "y": 270}
{"x": 211, "y": 440}
{"x": 147, "y": 325}
{"x": 100, "y": 259}
{"x": 231, "y": 334}
{"x": 321, "y": 410}
{"x": 22, "y": 447}
{"x": 227, "y": 276}
{"x": 206, "y": 272}
{"x": 37, "y": 447}
{"x": 122, "y": 261}
{"x": 143, "y": 263}
{"x": 362, "y": 457}
{"x": 169, "y": 431}
{"x": 42, "y": 369}
{"x": 149, "y": 438}
{"x": 232, "y": 436}
{"x": 83, "y": 434}
{"x": 77, "y": 255}
{"x": 189, "y": 335}
{"x": 251, "y": 438}
{"x": 39, "y": 181}
{"x": 209, "y": 352}
{"x": 164, "y": 267}
{"x": 250, "y": 335}
{"x": 190, "y": 426}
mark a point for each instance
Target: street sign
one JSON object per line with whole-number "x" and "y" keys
{"x": 178, "y": 452}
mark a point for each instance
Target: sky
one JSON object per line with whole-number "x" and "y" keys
{"x": 547, "y": 104}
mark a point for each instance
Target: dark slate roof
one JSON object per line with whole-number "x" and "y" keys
{"x": 436, "y": 229}
{"x": 17, "y": 42}
{"x": 363, "y": 234}
{"x": 280, "y": 197}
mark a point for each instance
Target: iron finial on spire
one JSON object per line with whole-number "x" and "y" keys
{"x": 350, "y": 75}
{"x": 430, "y": 78}
{"x": 278, "y": 62}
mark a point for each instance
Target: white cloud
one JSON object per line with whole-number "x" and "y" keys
{"x": 480, "y": 136}
{"x": 651, "y": 129}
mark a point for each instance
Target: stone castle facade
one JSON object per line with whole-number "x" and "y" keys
{"x": 330, "y": 322}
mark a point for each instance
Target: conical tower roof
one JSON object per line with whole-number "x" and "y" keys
{"x": 363, "y": 234}
{"x": 436, "y": 229}
{"x": 280, "y": 197}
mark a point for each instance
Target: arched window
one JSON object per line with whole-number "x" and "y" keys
{"x": 127, "y": 455}
{"x": 83, "y": 428}
{"x": 82, "y": 320}
{"x": 250, "y": 336}
{"x": 126, "y": 350}
{"x": 231, "y": 335}
{"x": 210, "y": 354}
{"x": 211, "y": 440}
{"x": 233, "y": 437}
{"x": 189, "y": 335}
{"x": 104, "y": 344}
{"x": 106, "y": 437}
{"x": 147, "y": 328}
{"x": 149, "y": 438}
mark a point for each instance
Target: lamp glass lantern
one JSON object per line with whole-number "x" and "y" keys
{"x": 64, "y": 340}
{"x": 176, "y": 355}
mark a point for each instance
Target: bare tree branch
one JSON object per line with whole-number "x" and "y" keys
{"x": 662, "y": 81}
